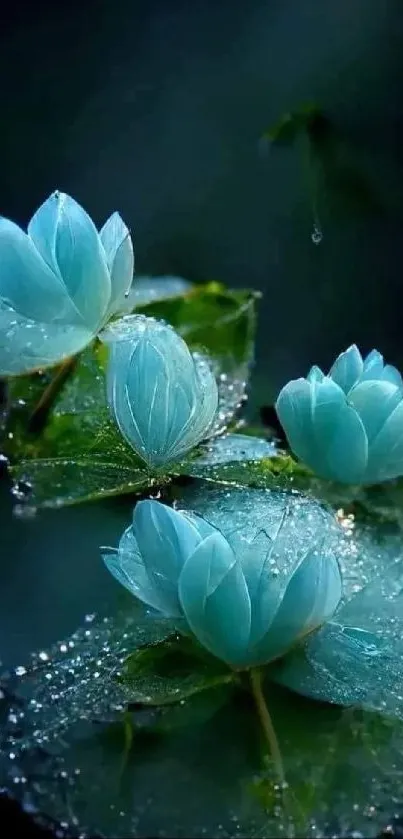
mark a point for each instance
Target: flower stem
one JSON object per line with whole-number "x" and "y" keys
{"x": 40, "y": 414}
{"x": 266, "y": 722}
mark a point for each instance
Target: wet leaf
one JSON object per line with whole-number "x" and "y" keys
{"x": 230, "y": 448}
{"x": 125, "y": 772}
{"x": 59, "y": 482}
{"x": 383, "y": 502}
{"x": 148, "y": 289}
{"x": 213, "y": 318}
{"x": 357, "y": 659}
{"x": 172, "y": 671}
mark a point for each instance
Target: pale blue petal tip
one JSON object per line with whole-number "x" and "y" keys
{"x": 347, "y": 427}
{"x": 118, "y": 247}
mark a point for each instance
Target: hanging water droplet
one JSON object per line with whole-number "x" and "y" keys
{"x": 317, "y": 234}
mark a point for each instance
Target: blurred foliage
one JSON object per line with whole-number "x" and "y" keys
{"x": 336, "y": 180}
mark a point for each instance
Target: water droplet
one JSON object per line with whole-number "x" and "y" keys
{"x": 317, "y": 234}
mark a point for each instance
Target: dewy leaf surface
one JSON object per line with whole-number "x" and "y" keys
{"x": 70, "y": 748}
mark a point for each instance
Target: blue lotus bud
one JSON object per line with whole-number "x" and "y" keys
{"x": 163, "y": 400}
{"x": 59, "y": 283}
{"x": 348, "y": 425}
{"x": 248, "y": 589}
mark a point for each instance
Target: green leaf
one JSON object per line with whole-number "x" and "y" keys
{"x": 58, "y": 482}
{"x": 147, "y": 289}
{"x": 194, "y": 709}
{"x": 233, "y": 449}
{"x": 213, "y": 318}
{"x": 267, "y": 472}
{"x": 80, "y": 455}
{"x": 336, "y": 762}
{"x": 383, "y": 502}
{"x": 343, "y": 767}
{"x": 172, "y": 671}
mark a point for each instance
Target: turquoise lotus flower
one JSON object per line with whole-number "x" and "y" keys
{"x": 248, "y": 593}
{"x": 164, "y": 401}
{"x": 347, "y": 426}
{"x": 59, "y": 283}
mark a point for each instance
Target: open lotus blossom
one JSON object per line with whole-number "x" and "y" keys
{"x": 347, "y": 426}
{"x": 248, "y": 591}
{"x": 164, "y": 400}
{"x": 59, "y": 283}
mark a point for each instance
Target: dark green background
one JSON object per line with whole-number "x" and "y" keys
{"x": 156, "y": 109}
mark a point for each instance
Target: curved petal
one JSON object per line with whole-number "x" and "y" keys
{"x": 27, "y": 284}
{"x": 163, "y": 404}
{"x": 373, "y": 366}
{"x": 203, "y": 527}
{"x": 347, "y": 368}
{"x": 374, "y": 401}
{"x": 391, "y": 374}
{"x": 315, "y": 374}
{"x": 294, "y": 410}
{"x": 311, "y": 598}
{"x": 386, "y": 451}
{"x": 165, "y": 538}
{"x": 339, "y": 435}
{"x": 215, "y": 600}
{"x": 127, "y": 567}
{"x": 27, "y": 345}
{"x": 375, "y": 369}
{"x": 68, "y": 242}
{"x": 118, "y": 247}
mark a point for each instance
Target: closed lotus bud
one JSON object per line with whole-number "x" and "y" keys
{"x": 347, "y": 426}
{"x": 163, "y": 400}
{"x": 59, "y": 283}
{"x": 251, "y": 578}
